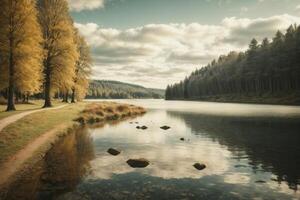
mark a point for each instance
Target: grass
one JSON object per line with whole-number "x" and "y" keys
{"x": 36, "y": 104}
{"x": 17, "y": 135}
{"x": 107, "y": 111}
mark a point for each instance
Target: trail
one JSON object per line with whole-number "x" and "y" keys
{"x": 14, "y": 164}
{"x": 11, "y": 119}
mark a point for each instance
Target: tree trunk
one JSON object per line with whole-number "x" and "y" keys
{"x": 24, "y": 98}
{"x": 11, "y": 83}
{"x": 66, "y": 97}
{"x": 47, "y": 87}
{"x": 16, "y": 97}
{"x": 73, "y": 96}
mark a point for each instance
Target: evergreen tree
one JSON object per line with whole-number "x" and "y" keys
{"x": 270, "y": 69}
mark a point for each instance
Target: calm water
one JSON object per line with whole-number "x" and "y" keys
{"x": 251, "y": 152}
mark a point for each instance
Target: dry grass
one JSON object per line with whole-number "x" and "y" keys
{"x": 107, "y": 111}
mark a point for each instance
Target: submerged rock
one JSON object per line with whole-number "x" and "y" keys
{"x": 165, "y": 127}
{"x": 113, "y": 152}
{"x": 199, "y": 166}
{"x": 138, "y": 163}
{"x": 260, "y": 181}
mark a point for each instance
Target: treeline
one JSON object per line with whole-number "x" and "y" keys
{"x": 269, "y": 69}
{"x": 41, "y": 52}
{"x": 103, "y": 89}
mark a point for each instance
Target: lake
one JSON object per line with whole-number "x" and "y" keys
{"x": 250, "y": 152}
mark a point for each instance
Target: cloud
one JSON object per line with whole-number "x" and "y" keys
{"x": 79, "y": 5}
{"x": 241, "y": 30}
{"x": 161, "y": 54}
{"x": 297, "y": 7}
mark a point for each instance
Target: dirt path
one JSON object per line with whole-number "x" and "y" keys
{"x": 14, "y": 164}
{"x": 11, "y": 119}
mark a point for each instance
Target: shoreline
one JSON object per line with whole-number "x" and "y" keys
{"x": 290, "y": 101}
{"x": 18, "y": 163}
{"x": 31, "y": 154}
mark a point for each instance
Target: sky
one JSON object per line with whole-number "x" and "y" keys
{"x": 154, "y": 43}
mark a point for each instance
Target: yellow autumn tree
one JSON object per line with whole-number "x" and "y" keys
{"x": 59, "y": 46}
{"x": 82, "y": 70}
{"x": 20, "y": 48}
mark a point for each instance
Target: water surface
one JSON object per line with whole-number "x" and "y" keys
{"x": 251, "y": 152}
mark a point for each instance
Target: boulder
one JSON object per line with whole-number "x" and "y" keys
{"x": 113, "y": 152}
{"x": 182, "y": 139}
{"x": 165, "y": 127}
{"x": 144, "y": 127}
{"x": 138, "y": 127}
{"x": 138, "y": 163}
{"x": 199, "y": 166}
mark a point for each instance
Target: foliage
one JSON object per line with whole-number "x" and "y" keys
{"x": 82, "y": 70}
{"x": 114, "y": 89}
{"x": 20, "y": 49}
{"x": 59, "y": 46}
{"x": 268, "y": 69}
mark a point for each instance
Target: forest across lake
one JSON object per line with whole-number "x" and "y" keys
{"x": 268, "y": 72}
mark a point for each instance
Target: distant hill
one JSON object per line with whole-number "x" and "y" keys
{"x": 104, "y": 89}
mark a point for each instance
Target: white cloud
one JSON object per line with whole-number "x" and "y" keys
{"x": 79, "y": 5}
{"x": 298, "y": 7}
{"x": 158, "y": 54}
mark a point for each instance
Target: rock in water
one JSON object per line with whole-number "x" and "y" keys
{"x": 144, "y": 127}
{"x": 138, "y": 127}
{"x": 113, "y": 152}
{"x": 182, "y": 139}
{"x": 199, "y": 166}
{"x": 165, "y": 127}
{"x": 138, "y": 163}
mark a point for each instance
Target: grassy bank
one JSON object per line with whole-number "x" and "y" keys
{"x": 37, "y": 104}
{"x": 16, "y": 136}
{"x": 108, "y": 111}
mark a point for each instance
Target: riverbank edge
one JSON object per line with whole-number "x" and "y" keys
{"x": 37, "y": 155}
{"x": 287, "y": 101}
{"x": 41, "y": 151}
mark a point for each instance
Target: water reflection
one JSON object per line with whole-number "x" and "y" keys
{"x": 268, "y": 144}
{"x": 60, "y": 171}
{"x": 253, "y": 157}
{"x": 170, "y": 157}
